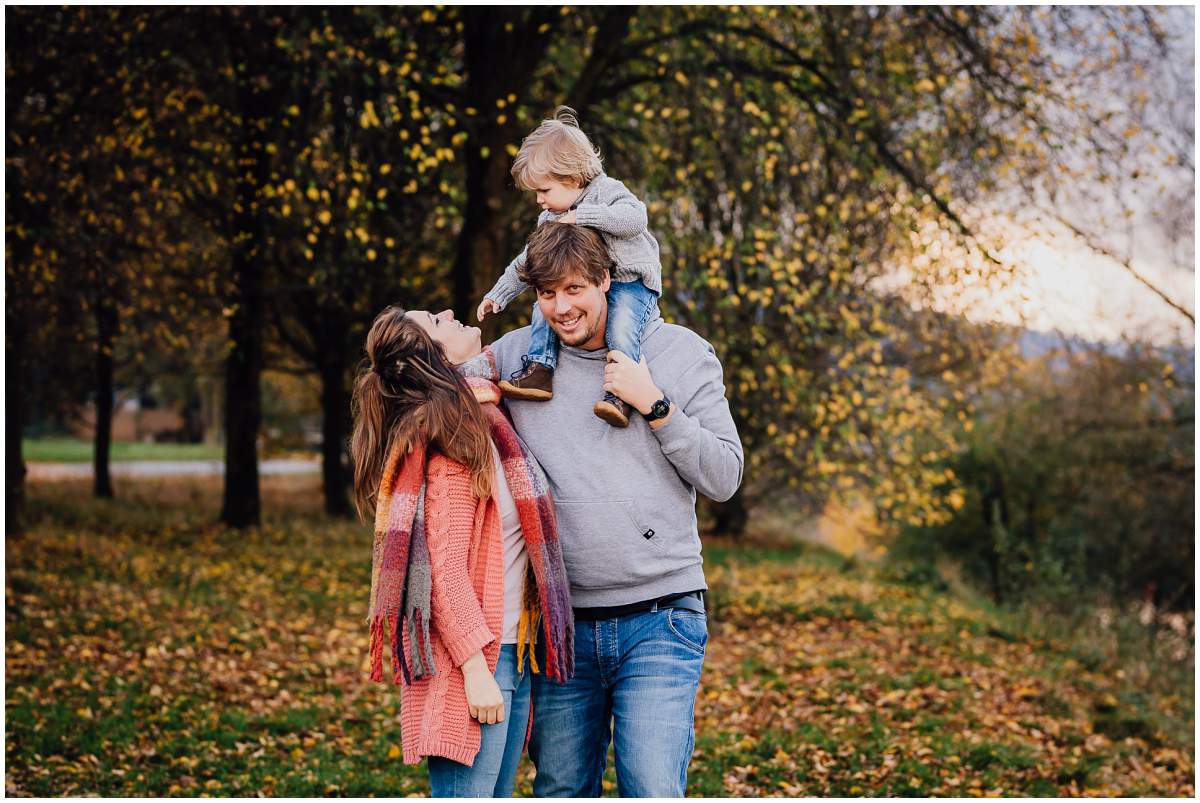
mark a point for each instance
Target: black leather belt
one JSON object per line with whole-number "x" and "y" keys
{"x": 690, "y": 601}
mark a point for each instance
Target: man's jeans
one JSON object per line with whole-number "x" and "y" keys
{"x": 631, "y": 305}
{"x": 635, "y": 680}
{"x": 495, "y": 769}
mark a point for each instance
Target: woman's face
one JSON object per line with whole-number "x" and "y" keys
{"x": 460, "y": 343}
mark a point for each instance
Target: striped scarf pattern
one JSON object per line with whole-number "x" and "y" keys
{"x": 401, "y": 578}
{"x": 547, "y": 597}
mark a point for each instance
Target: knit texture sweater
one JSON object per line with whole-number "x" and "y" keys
{"x": 467, "y": 562}
{"x": 611, "y": 209}
{"x": 625, "y": 499}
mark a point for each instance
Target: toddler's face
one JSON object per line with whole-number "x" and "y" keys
{"x": 556, "y": 196}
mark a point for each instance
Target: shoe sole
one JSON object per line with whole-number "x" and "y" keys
{"x": 528, "y": 394}
{"x": 610, "y": 414}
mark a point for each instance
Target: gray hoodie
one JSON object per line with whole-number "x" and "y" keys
{"x": 625, "y": 499}
{"x": 611, "y": 209}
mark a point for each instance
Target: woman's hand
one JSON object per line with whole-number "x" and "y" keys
{"x": 485, "y": 701}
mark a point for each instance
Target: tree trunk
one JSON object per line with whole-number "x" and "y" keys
{"x": 14, "y": 426}
{"x": 243, "y": 373}
{"x": 517, "y": 38}
{"x": 730, "y": 517}
{"x": 106, "y": 332}
{"x": 482, "y": 241}
{"x": 335, "y": 412}
{"x": 997, "y": 522}
{"x": 258, "y": 92}
{"x": 211, "y": 413}
{"x": 242, "y": 506}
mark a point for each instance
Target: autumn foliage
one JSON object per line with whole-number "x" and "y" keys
{"x": 210, "y": 204}
{"x": 149, "y": 652}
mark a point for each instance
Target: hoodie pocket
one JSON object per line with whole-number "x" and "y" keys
{"x": 604, "y": 546}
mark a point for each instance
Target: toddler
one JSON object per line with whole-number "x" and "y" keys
{"x": 559, "y": 164}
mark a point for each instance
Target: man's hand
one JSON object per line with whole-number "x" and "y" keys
{"x": 485, "y": 701}
{"x": 486, "y": 306}
{"x": 630, "y": 381}
{"x": 569, "y": 217}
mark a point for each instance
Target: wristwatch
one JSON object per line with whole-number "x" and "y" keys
{"x": 661, "y": 409}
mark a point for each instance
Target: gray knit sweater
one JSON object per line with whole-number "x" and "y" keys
{"x": 625, "y": 499}
{"x": 607, "y": 206}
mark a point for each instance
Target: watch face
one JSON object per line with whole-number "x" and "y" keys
{"x": 660, "y": 409}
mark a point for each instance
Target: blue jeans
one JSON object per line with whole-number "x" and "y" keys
{"x": 630, "y": 307}
{"x": 635, "y": 682}
{"x": 495, "y": 769}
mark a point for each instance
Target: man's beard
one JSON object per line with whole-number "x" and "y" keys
{"x": 580, "y": 336}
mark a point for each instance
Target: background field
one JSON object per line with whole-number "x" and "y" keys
{"x": 72, "y": 450}
{"x": 150, "y": 652}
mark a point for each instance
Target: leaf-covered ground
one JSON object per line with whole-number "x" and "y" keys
{"x": 149, "y": 652}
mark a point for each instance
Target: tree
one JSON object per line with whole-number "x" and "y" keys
{"x": 1078, "y": 475}
{"x": 351, "y": 207}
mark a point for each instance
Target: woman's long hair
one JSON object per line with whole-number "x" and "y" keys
{"x": 407, "y": 391}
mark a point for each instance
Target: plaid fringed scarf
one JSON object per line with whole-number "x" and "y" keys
{"x": 400, "y": 572}
{"x": 400, "y": 565}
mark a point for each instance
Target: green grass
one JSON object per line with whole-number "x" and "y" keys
{"x": 151, "y": 652}
{"x": 72, "y": 450}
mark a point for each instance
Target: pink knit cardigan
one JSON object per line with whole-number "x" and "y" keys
{"x": 467, "y": 607}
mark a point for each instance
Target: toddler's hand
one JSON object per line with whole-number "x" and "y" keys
{"x": 569, "y": 217}
{"x": 486, "y": 306}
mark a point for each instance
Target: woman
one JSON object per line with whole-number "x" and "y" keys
{"x": 466, "y": 561}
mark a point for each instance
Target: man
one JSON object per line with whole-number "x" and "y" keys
{"x": 625, "y": 501}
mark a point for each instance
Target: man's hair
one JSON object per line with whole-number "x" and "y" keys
{"x": 556, "y": 149}
{"x": 556, "y": 250}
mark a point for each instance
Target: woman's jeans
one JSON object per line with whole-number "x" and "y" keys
{"x": 631, "y": 305}
{"x": 500, "y": 745}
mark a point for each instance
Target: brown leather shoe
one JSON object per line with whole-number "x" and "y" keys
{"x": 613, "y": 410}
{"x": 534, "y": 382}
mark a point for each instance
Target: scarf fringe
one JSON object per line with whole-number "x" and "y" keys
{"x": 377, "y": 628}
{"x": 380, "y": 629}
{"x": 418, "y": 634}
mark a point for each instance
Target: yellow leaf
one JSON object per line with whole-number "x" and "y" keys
{"x": 394, "y": 752}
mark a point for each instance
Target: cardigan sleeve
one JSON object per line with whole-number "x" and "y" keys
{"x": 449, "y": 522}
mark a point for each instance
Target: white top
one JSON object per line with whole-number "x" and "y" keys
{"x": 515, "y": 559}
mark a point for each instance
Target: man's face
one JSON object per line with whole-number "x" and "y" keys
{"x": 576, "y": 310}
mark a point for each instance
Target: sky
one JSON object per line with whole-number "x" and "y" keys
{"x": 1061, "y": 284}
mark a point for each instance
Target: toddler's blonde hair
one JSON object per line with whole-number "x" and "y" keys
{"x": 556, "y": 149}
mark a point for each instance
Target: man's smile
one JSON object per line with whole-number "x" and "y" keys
{"x": 569, "y": 324}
